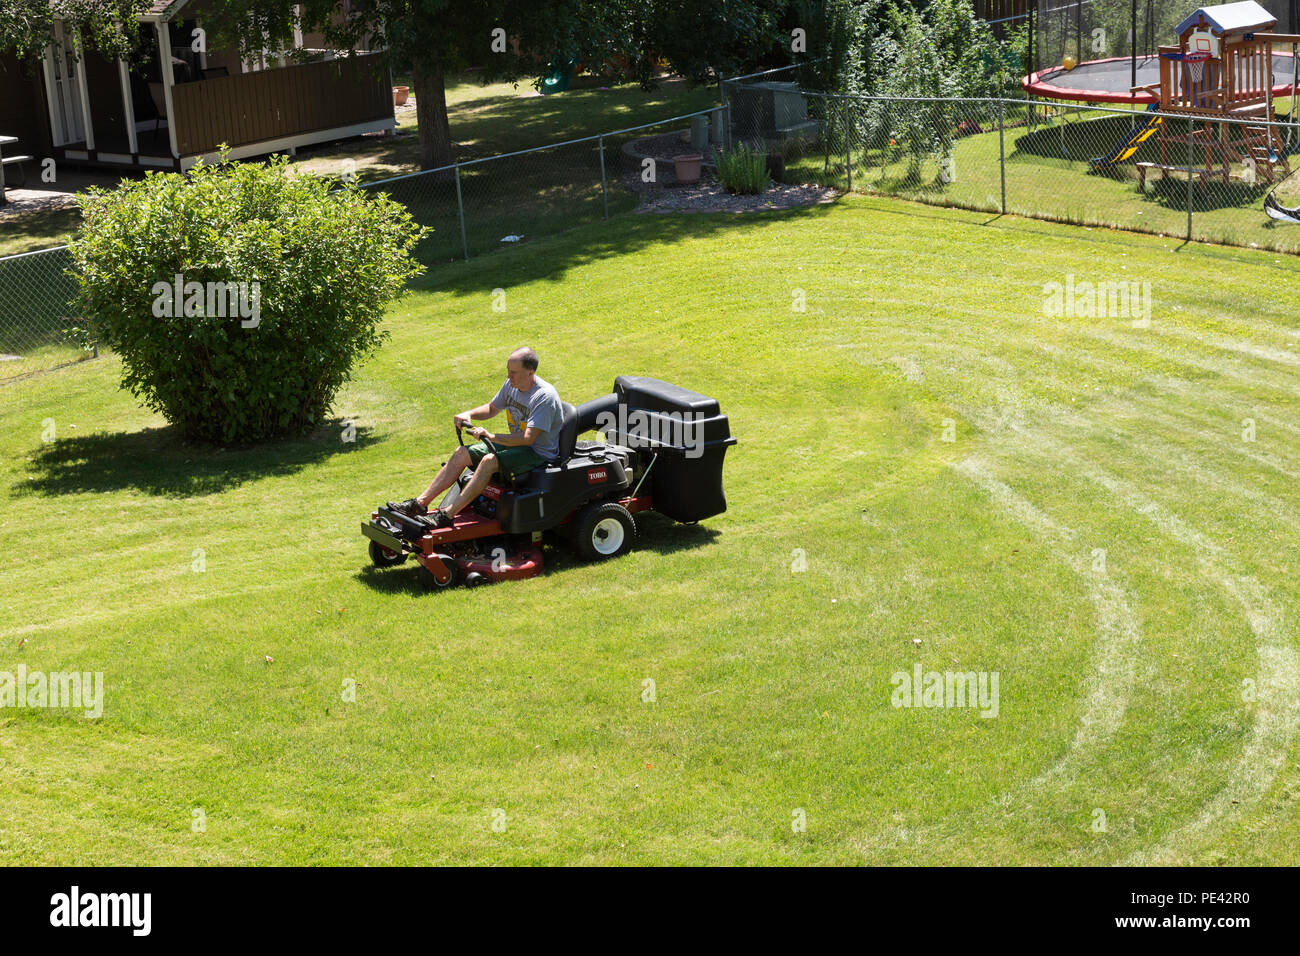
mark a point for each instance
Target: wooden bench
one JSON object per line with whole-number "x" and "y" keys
{"x": 1205, "y": 174}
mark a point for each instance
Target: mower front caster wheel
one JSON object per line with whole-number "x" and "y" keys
{"x": 603, "y": 530}
{"x": 382, "y": 557}
{"x": 433, "y": 584}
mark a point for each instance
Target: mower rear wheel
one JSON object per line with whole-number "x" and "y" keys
{"x": 431, "y": 583}
{"x": 603, "y": 529}
{"x": 382, "y": 557}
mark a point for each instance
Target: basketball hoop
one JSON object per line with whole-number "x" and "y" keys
{"x": 1195, "y": 60}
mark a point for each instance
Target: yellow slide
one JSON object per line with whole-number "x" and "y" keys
{"x": 1130, "y": 143}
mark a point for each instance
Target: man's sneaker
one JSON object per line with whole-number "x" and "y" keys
{"x": 440, "y": 519}
{"x": 410, "y": 507}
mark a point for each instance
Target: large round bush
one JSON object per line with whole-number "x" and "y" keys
{"x": 282, "y": 281}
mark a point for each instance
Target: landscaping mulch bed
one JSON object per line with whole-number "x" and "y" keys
{"x": 708, "y": 195}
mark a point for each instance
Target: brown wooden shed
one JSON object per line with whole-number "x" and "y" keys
{"x": 106, "y": 112}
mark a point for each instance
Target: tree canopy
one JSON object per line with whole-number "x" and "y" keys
{"x": 27, "y": 26}
{"x": 936, "y": 47}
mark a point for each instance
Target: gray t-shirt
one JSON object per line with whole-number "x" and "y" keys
{"x": 538, "y": 407}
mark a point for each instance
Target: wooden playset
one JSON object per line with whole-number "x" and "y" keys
{"x": 1222, "y": 69}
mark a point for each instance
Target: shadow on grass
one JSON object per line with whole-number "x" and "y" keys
{"x": 32, "y": 230}
{"x": 546, "y": 259}
{"x": 1080, "y": 141}
{"x": 1020, "y": 221}
{"x": 384, "y": 156}
{"x": 493, "y": 123}
{"x": 1083, "y": 140}
{"x": 654, "y": 533}
{"x": 158, "y": 462}
{"x": 1207, "y": 197}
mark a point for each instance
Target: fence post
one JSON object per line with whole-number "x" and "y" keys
{"x": 604, "y": 191}
{"x": 460, "y": 208}
{"x": 848, "y": 155}
{"x": 726, "y": 115}
{"x": 1002, "y": 151}
{"x": 1191, "y": 155}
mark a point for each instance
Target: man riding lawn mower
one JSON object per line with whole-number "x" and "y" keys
{"x": 663, "y": 451}
{"x": 534, "y": 412}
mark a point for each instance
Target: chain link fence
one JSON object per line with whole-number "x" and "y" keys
{"x": 1198, "y": 178}
{"x": 472, "y": 207}
{"x": 35, "y": 292}
{"x": 484, "y": 204}
{"x": 1189, "y": 177}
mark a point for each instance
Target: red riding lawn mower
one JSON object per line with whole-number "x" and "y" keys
{"x": 663, "y": 452}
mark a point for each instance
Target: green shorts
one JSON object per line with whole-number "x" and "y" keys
{"x": 513, "y": 461}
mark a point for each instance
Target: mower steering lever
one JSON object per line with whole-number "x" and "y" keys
{"x": 485, "y": 440}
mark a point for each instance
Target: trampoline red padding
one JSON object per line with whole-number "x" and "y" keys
{"x": 1108, "y": 81}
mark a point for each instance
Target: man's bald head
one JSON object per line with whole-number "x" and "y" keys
{"x": 521, "y": 368}
{"x": 526, "y": 357}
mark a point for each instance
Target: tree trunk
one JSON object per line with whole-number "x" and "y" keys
{"x": 431, "y": 104}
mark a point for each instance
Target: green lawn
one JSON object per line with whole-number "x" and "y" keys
{"x": 501, "y": 117}
{"x": 1158, "y": 683}
{"x": 33, "y": 230}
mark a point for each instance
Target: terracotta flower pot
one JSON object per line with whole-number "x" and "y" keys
{"x": 400, "y": 93}
{"x": 687, "y": 168}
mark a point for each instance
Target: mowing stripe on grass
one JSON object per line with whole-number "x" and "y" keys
{"x": 1149, "y": 411}
{"x": 1118, "y": 633}
{"x": 1277, "y": 718}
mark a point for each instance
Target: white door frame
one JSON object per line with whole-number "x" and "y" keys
{"x": 168, "y": 79}
{"x": 67, "y": 108}
{"x": 88, "y": 122}
{"x": 128, "y": 106}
